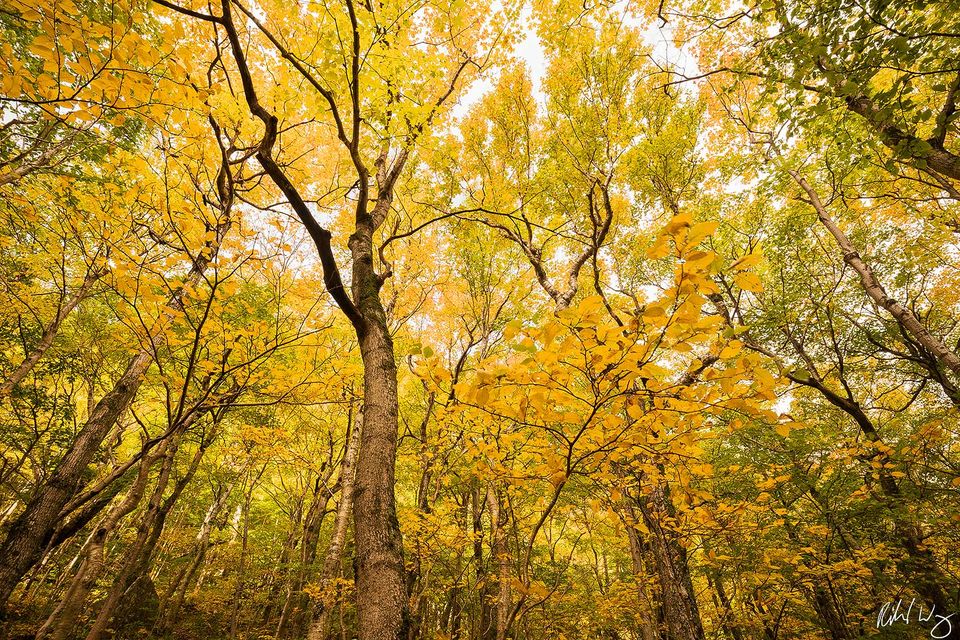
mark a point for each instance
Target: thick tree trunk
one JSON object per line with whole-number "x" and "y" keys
{"x": 381, "y": 588}
{"x": 678, "y": 597}
{"x": 381, "y": 593}
{"x": 378, "y": 566}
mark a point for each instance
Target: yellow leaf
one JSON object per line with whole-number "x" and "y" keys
{"x": 747, "y": 261}
{"x": 700, "y": 231}
{"x": 659, "y": 249}
{"x": 483, "y": 395}
{"x": 678, "y": 222}
{"x": 748, "y": 282}
{"x": 511, "y": 329}
{"x": 731, "y": 350}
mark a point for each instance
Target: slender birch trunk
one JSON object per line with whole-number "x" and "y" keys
{"x": 320, "y": 628}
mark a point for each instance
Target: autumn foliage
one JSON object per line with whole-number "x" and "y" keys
{"x": 480, "y": 321}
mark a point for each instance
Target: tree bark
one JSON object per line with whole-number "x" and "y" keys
{"x": 381, "y": 588}
{"x": 242, "y": 566}
{"x": 31, "y": 531}
{"x": 932, "y": 152}
{"x": 872, "y": 286}
{"x": 331, "y": 562}
{"x": 678, "y": 597}
{"x": 487, "y": 622}
{"x": 49, "y": 333}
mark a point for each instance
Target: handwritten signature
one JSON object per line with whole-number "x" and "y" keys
{"x": 896, "y": 611}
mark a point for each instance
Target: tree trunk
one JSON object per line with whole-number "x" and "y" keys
{"x": 293, "y": 615}
{"x": 678, "y": 597}
{"x": 132, "y": 553}
{"x": 724, "y": 606}
{"x": 874, "y": 289}
{"x": 290, "y": 545}
{"x": 170, "y": 606}
{"x": 31, "y": 531}
{"x": 381, "y": 589}
{"x": 331, "y": 562}
{"x": 415, "y": 578}
{"x": 241, "y": 568}
{"x": 500, "y": 553}
{"x": 62, "y": 622}
{"x": 487, "y": 620}
{"x": 49, "y": 333}
{"x": 648, "y": 622}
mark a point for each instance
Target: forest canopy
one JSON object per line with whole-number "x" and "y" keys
{"x": 453, "y": 320}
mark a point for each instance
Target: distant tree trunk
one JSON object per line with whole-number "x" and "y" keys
{"x": 415, "y": 578}
{"x": 320, "y": 628}
{"x": 293, "y": 615}
{"x": 724, "y": 606}
{"x": 291, "y": 544}
{"x": 452, "y": 616}
{"x": 173, "y": 601}
{"x": 487, "y": 619}
{"x": 49, "y": 333}
{"x": 63, "y": 621}
{"x": 829, "y": 610}
{"x": 242, "y": 565}
{"x": 138, "y": 556}
{"x": 500, "y": 554}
